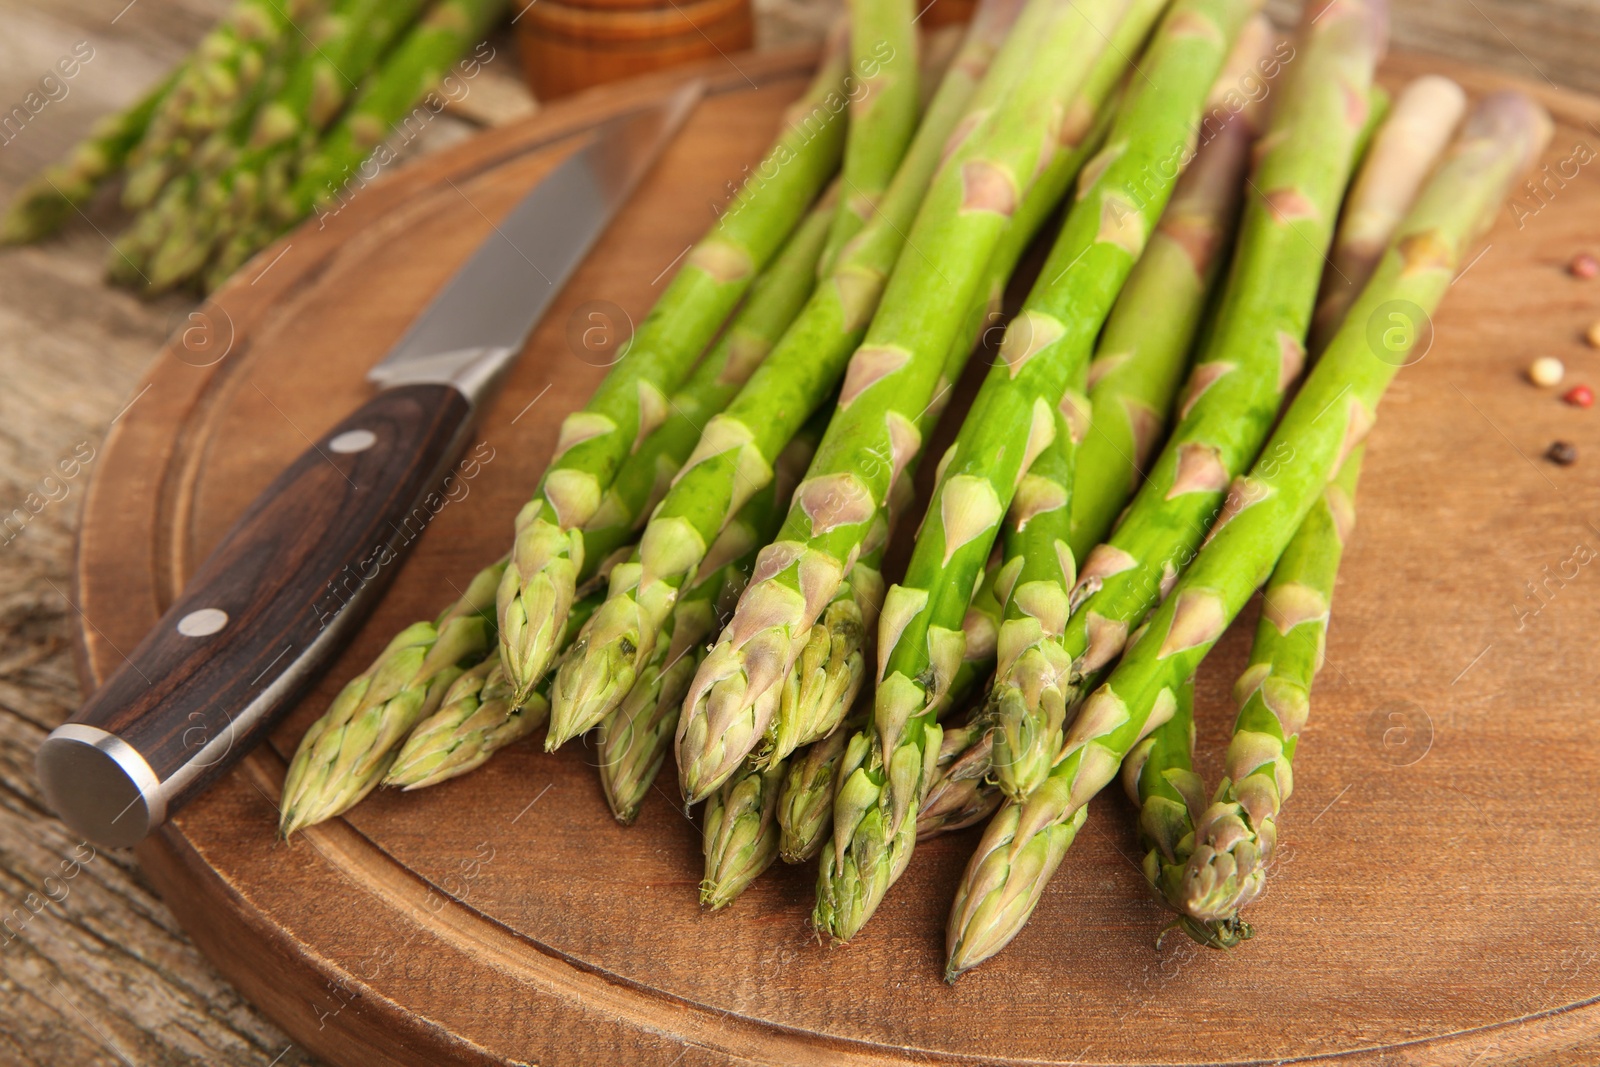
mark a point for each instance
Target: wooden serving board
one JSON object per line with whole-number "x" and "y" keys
{"x": 1435, "y": 901}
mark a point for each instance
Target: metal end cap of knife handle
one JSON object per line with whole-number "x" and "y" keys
{"x": 99, "y": 785}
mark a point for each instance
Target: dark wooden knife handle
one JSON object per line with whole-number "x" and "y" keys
{"x": 281, "y": 594}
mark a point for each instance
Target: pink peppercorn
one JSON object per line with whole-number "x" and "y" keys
{"x": 1583, "y": 265}
{"x": 1579, "y": 396}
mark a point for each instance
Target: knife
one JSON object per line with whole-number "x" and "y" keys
{"x": 246, "y": 638}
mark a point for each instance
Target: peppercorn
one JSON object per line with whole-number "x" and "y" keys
{"x": 1579, "y": 396}
{"x": 1562, "y": 453}
{"x": 1583, "y": 265}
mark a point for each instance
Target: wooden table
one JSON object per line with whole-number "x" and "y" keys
{"x": 102, "y": 974}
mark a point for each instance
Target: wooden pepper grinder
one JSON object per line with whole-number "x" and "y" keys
{"x": 568, "y": 45}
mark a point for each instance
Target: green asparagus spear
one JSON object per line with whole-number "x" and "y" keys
{"x": 883, "y": 111}
{"x": 741, "y": 832}
{"x": 348, "y": 750}
{"x": 1158, "y": 775}
{"x": 1145, "y": 348}
{"x": 1327, "y": 420}
{"x": 1017, "y": 415}
{"x": 476, "y": 719}
{"x": 775, "y": 298}
{"x": 547, "y": 560}
{"x": 41, "y": 206}
{"x": 1403, "y": 152}
{"x": 805, "y": 805}
{"x": 1235, "y": 837}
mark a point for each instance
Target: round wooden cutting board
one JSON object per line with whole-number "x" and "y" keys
{"x": 1437, "y": 899}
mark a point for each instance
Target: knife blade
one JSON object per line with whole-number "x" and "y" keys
{"x": 250, "y": 631}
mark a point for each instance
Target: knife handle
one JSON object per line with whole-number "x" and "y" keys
{"x": 280, "y": 596}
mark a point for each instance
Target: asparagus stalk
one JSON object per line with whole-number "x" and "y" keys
{"x": 805, "y": 804}
{"x": 1327, "y": 420}
{"x": 1045, "y": 349}
{"x": 476, "y": 719}
{"x": 1168, "y": 795}
{"x": 1234, "y": 838}
{"x": 883, "y": 111}
{"x": 741, "y": 831}
{"x": 734, "y": 455}
{"x": 775, "y": 298}
{"x": 1148, "y": 338}
{"x": 1253, "y": 353}
{"x": 1403, "y": 152}
{"x": 348, "y": 750}
{"x": 547, "y": 559}
{"x": 635, "y": 737}
{"x": 41, "y": 206}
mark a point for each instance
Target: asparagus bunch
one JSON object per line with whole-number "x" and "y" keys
{"x": 262, "y": 151}
{"x": 350, "y": 748}
{"x": 1043, "y": 356}
{"x": 216, "y": 85}
{"x": 735, "y": 453}
{"x": 406, "y": 74}
{"x": 1322, "y": 427}
{"x": 548, "y": 560}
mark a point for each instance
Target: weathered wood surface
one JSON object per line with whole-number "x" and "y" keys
{"x": 104, "y": 975}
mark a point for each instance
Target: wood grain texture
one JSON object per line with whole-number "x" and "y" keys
{"x": 111, "y": 961}
{"x": 1423, "y": 912}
